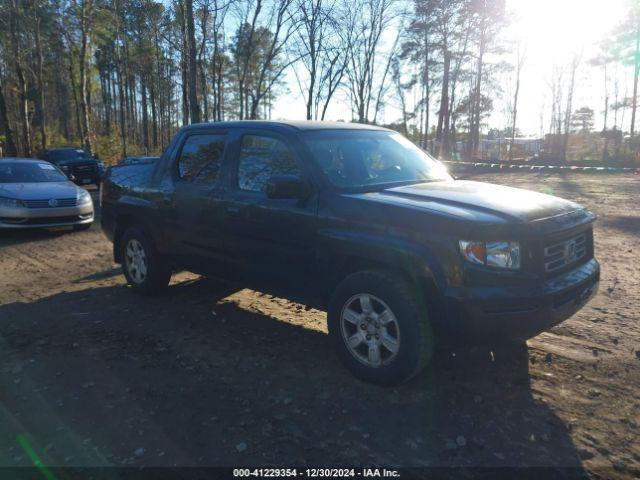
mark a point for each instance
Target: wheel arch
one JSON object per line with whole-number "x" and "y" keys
{"x": 414, "y": 263}
{"x": 124, "y": 221}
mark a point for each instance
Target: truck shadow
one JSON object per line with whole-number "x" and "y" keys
{"x": 104, "y": 377}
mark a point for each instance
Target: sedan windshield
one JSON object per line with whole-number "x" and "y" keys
{"x": 29, "y": 172}
{"x": 361, "y": 159}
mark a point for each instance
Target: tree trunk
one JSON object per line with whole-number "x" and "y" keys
{"x": 62, "y": 94}
{"x": 515, "y": 106}
{"x": 427, "y": 92}
{"x": 443, "y": 114}
{"x": 84, "y": 88}
{"x": 567, "y": 114}
{"x": 15, "y": 27}
{"x": 74, "y": 90}
{"x": 39, "y": 75}
{"x": 145, "y": 115}
{"x": 194, "y": 109}
{"x": 154, "y": 115}
{"x": 123, "y": 119}
{"x": 184, "y": 72}
{"x": 10, "y": 149}
{"x": 477, "y": 99}
{"x": 634, "y": 103}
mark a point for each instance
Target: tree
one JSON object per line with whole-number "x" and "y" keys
{"x": 575, "y": 63}
{"x": 520, "y": 59}
{"x": 489, "y": 16}
{"x": 194, "y": 109}
{"x": 257, "y": 51}
{"x": 81, "y": 17}
{"x": 368, "y": 20}
{"x": 627, "y": 49}
{"x": 16, "y": 19}
{"x": 450, "y": 19}
{"x": 417, "y": 49}
{"x": 322, "y": 48}
{"x": 582, "y": 120}
{"x": 9, "y": 143}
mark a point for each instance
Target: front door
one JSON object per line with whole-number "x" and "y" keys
{"x": 272, "y": 240}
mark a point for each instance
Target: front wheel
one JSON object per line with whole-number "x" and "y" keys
{"x": 144, "y": 268}
{"x": 379, "y": 325}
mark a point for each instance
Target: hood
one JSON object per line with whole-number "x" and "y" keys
{"x": 495, "y": 200}
{"x": 38, "y": 190}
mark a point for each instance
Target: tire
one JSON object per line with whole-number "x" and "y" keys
{"x": 81, "y": 228}
{"x": 397, "y": 312}
{"x": 145, "y": 269}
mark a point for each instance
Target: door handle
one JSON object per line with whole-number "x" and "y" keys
{"x": 233, "y": 210}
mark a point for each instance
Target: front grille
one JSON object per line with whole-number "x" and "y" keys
{"x": 51, "y": 203}
{"x": 565, "y": 252}
{"x": 85, "y": 168}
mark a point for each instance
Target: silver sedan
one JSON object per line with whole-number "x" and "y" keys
{"x": 36, "y": 194}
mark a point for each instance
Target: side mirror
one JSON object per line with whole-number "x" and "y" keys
{"x": 287, "y": 186}
{"x": 71, "y": 177}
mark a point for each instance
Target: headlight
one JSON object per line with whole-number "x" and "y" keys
{"x": 84, "y": 197}
{"x": 10, "y": 202}
{"x": 493, "y": 254}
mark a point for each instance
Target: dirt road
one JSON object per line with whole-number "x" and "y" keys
{"x": 91, "y": 374}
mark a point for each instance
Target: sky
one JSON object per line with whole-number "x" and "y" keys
{"x": 551, "y": 32}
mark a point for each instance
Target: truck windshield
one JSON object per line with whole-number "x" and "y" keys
{"x": 361, "y": 159}
{"x": 29, "y": 172}
{"x": 67, "y": 155}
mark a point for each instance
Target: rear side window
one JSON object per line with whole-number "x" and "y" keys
{"x": 200, "y": 158}
{"x": 262, "y": 157}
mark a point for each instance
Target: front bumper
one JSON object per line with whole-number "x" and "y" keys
{"x": 84, "y": 174}
{"x": 520, "y": 312}
{"x": 22, "y": 217}
{"x": 87, "y": 179}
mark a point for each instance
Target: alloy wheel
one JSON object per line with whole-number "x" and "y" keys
{"x": 136, "y": 260}
{"x": 370, "y": 330}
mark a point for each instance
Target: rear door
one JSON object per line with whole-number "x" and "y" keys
{"x": 272, "y": 241}
{"x": 194, "y": 215}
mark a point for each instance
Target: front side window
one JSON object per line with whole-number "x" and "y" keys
{"x": 200, "y": 158}
{"x": 368, "y": 158}
{"x": 262, "y": 157}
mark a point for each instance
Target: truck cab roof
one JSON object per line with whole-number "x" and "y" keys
{"x": 299, "y": 125}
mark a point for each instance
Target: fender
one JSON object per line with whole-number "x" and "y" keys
{"x": 416, "y": 260}
{"x": 133, "y": 210}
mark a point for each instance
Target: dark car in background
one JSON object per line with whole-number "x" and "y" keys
{"x": 357, "y": 221}
{"x": 77, "y": 163}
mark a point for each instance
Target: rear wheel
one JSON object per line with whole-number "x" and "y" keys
{"x": 144, "y": 268}
{"x": 378, "y": 324}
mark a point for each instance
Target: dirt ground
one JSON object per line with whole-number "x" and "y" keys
{"x": 94, "y": 375}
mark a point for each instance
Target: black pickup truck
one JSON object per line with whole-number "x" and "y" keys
{"x": 77, "y": 164}
{"x": 357, "y": 221}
